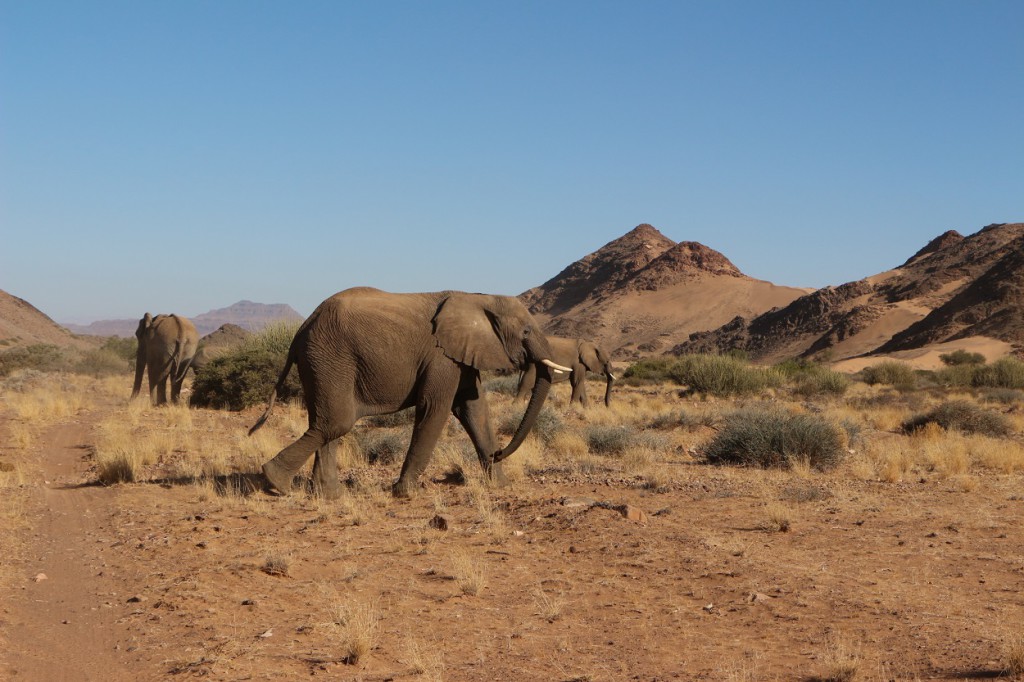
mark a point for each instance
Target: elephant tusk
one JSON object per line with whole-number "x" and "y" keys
{"x": 611, "y": 377}
{"x": 555, "y": 367}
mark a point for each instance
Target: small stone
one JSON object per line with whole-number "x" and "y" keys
{"x": 248, "y": 602}
{"x": 573, "y": 502}
{"x": 438, "y": 522}
{"x": 40, "y": 577}
{"x": 268, "y": 633}
{"x": 632, "y": 513}
{"x": 757, "y": 597}
{"x": 136, "y": 599}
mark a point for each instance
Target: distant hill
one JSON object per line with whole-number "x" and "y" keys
{"x": 642, "y": 293}
{"x": 248, "y": 315}
{"x": 955, "y": 288}
{"x": 22, "y": 324}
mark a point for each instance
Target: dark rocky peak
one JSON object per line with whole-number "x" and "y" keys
{"x": 608, "y": 267}
{"x": 685, "y": 260}
{"x": 944, "y": 240}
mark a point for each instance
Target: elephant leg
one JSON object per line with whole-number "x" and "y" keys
{"x": 475, "y": 417}
{"x": 430, "y": 421}
{"x": 282, "y": 469}
{"x": 158, "y": 385}
{"x": 579, "y": 387}
{"x": 325, "y": 471}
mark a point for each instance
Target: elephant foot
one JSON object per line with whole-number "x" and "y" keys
{"x": 403, "y": 489}
{"x": 277, "y": 477}
{"x": 327, "y": 492}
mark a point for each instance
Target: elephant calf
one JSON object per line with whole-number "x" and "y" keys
{"x": 582, "y": 356}
{"x": 167, "y": 344}
{"x": 365, "y": 351}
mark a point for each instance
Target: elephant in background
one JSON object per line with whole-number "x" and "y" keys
{"x": 582, "y": 356}
{"x": 365, "y": 352}
{"x": 167, "y": 344}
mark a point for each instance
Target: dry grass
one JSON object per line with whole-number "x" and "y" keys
{"x": 357, "y": 625}
{"x": 842, "y": 662}
{"x": 469, "y": 573}
{"x": 277, "y": 564}
{"x": 1013, "y": 655}
{"x": 549, "y": 606}
{"x": 778, "y": 518}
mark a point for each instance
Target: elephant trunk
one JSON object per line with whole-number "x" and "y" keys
{"x": 540, "y": 392}
{"x": 608, "y": 386}
{"x": 140, "y": 366}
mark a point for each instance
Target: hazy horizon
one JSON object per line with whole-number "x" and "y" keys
{"x": 182, "y": 157}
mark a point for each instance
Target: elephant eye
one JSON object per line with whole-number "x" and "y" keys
{"x": 526, "y": 332}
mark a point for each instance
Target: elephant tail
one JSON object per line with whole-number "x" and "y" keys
{"x": 273, "y": 394}
{"x": 180, "y": 362}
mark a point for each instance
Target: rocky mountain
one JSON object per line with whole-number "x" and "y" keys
{"x": 954, "y": 288}
{"x": 245, "y": 314}
{"x": 22, "y": 324}
{"x": 639, "y": 294}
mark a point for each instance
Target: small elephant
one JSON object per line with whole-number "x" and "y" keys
{"x": 167, "y": 344}
{"x": 582, "y": 356}
{"x": 365, "y": 351}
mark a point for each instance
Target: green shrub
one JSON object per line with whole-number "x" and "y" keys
{"x": 649, "y": 370}
{"x": 820, "y": 380}
{"x": 1003, "y": 373}
{"x": 963, "y": 416}
{"x": 958, "y": 376}
{"x": 723, "y": 376}
{"x": 890, "y": 373}
{"x": 962, "y": 357}
{"x": 40, "y": 356}
{"x": 244, "y": 376}
{"x": 1005, "y": 396}
{"x": 102, "y": 362}
{"x": 774, "y": 438}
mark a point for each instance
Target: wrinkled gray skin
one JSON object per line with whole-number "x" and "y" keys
{"x": 582, "y": 356}
{"x": 167, "y": 344}
{"x": 364, "y": 352}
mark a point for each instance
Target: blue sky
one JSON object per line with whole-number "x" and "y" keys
{"x": 181, "y": 156}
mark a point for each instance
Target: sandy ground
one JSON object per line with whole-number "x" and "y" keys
{"x": 172, "y": 579}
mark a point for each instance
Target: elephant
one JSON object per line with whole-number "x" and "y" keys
{"x": 364, "y": 352}
{"x": 582, "y": 356}
{"x": 167, "y": 344}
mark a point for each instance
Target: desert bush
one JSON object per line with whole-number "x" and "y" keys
{"x": 394, "y": 420}
{"x": 503, "y": 384}
{"x": 1003, "y": 373}
{"x": 674, "y": 419}
{"x": 609, "y": 440}
{"x": 723, "y": 375}
{"x": 774, "y": 438}
{"x": 42, "y": 357}
{"x": 383, "y": 447}
{"x": 962, "y": 357}
{"x": 103, "y": 362}
{"x": 963, "y": 416}
{"x": 649, "y": 370}
{"x": 956, "y": 376}
{"x": 1005, "y": 396}
{"x": 547, "y": 425}
{"x": 815, "y": 380}
{"x": 890, "y": 373}
{"x": 244, "y": 376}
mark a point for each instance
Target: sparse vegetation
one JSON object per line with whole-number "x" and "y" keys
{"x": 962, "y": 357}
{"x": 244, "y": 376}
{"x": 775, "y": 438}
{"x": 963, "y": 416}
{"x": 890, "y": 373}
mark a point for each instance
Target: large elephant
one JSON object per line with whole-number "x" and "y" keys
{"x": 365, "y": 351}
{"x": 582, "y": 356}
{"x": 167, "y": 344}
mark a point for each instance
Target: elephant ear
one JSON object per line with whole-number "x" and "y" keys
{"x": 466, "y": 332}
{"x": 588, "y": 356}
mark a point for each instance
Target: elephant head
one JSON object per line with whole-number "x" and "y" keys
{"x": 595, "y": 360}
{"x": 497, "y": 332}
{"x": 143, "y": 333}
